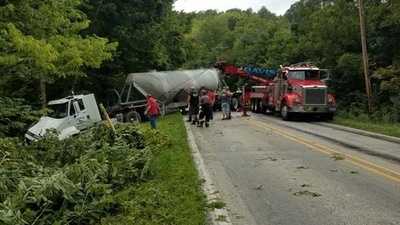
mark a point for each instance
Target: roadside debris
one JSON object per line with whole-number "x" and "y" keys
{"x": 216, "y": 205}
{"x": 307, "y": 193}
{"x": 268, "y": 158}
{"x": 221, "y": 218}
{"x": 354, "y": 172}
{"x": 338, "y": 157}
{"x": 302, "y": 167}
{"x": 259, "y": 187}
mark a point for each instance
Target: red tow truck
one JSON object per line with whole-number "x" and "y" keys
{"x": 293, "y": 90}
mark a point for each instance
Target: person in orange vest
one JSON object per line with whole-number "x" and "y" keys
{"x": 152, "y": 110}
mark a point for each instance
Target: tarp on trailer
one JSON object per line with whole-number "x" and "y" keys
{"x": 167, "y": 86}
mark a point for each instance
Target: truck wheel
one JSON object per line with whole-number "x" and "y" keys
{"x": 329, "y": 116}
{"x": 256, "y": 109}
{"x": 133, "y": 117}
{"x": 285, "y": 113}
{"x": 260, "y": 106}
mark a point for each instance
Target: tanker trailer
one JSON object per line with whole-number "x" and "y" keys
{"x": 170, "y": 88}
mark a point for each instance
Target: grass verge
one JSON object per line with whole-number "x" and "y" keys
{"x": 173, "y": 195}
{"x": 391, "y": 129}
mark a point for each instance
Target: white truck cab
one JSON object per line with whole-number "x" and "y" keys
{"x": 68, "y": 116}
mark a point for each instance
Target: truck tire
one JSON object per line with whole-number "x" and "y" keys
{"x": 328, "y": 116}
{"x": 133, "y": 117}
{"x": 260, "y": 106}
{"x": 255, "y": 102}
{"x": 286, "y": 115}
{"x": 253, "y": 105}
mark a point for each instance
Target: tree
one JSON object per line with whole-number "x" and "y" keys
{"x": 137, "y": 25}
{"x": 41, "y": 41}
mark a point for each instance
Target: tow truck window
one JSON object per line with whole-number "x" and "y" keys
{"x": 58, "y": 111}
{"x": 304, "y": 75}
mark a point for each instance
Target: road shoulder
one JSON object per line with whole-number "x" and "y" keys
{"x": 217, "y": 216}
{"x": 363, "y": 132}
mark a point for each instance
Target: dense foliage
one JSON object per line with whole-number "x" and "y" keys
{"x": 74, "y": 181}
{"x": 41, "y": 40}
{"x": 15, "y": 117}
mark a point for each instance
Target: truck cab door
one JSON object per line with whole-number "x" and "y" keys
{"x": 280, "y": 85}
{"x": 82, "y": 118}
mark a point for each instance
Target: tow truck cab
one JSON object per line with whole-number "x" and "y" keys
{"x": 299, "y": 89}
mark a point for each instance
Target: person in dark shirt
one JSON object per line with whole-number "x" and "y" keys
{"x": 205, "y": 110}
{"x": 193, "y": 102}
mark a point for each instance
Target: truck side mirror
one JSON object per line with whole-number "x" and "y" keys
{"x": 325, "y": 75}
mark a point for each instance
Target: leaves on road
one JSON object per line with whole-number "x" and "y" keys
{"x": 307, "y": 193}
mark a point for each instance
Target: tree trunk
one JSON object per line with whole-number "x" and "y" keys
{"x": 43, "y": 97}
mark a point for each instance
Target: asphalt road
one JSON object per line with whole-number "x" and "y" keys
{"x": 273, "y": 172}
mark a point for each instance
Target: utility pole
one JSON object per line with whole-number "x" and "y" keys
{"x": 365, "y": 54}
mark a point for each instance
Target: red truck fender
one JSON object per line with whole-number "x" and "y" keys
{"x": 291, "y": 99}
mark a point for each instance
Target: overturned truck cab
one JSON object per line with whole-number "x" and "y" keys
{"x": 67, "y": 116}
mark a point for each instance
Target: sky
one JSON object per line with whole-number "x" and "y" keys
{"x": 278, "y": 7}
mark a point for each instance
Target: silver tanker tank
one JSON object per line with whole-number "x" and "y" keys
{"x": 173, "y": 86}
{"x": 171, "y": 89}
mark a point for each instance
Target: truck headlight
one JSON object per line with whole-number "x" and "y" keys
{"x": 331, "y": 100}
{"x": 297, "y": 100}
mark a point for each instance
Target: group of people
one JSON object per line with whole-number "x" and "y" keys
{"x": 201, "y": 106}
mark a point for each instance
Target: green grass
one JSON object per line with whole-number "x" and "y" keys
{"x": 391, "y": 129}
{"x": 173, "y": 195}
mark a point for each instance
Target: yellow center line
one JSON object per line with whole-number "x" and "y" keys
{"x": 382, "y": 171}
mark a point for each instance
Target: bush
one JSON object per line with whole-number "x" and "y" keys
{"x": 73, "y": 181}
{"x": 16, "y": 117}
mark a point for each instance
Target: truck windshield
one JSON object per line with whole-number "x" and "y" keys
{"x": 58, "y": 111}
{"x": 304, "y": 75}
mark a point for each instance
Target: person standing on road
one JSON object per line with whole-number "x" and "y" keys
{"x": 152, "y": 110}
{"x": 226, "y": 99}
{"x": 211, "y": 96}
{"x": 245, "y": 100}
{"x": 205, "y": 110}
{"x": 193, "y": 102}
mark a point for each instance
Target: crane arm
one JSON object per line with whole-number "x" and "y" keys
{"x": 232, "y": 70}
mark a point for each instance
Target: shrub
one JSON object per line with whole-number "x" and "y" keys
{"x": 16, "y": 117}
{"x": 73, "y": 181}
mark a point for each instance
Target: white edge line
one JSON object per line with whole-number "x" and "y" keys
{"x": 217, "y": 216}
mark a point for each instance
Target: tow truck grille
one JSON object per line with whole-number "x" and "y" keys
{"x": 315, "y": 96}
